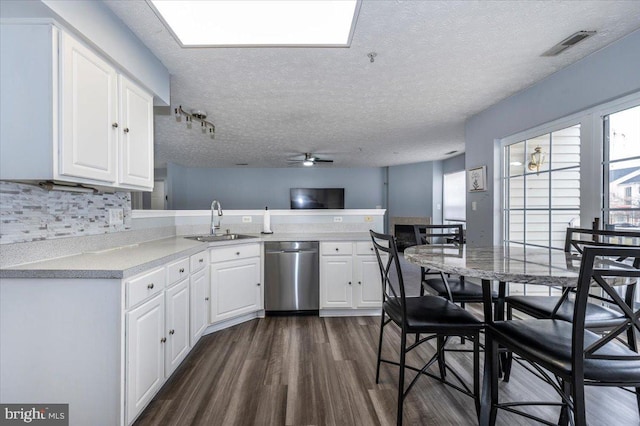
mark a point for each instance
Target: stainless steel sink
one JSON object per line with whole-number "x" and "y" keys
{"x": 223, "y": 237}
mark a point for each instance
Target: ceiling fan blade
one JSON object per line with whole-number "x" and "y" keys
{"x": 317, "y": 160}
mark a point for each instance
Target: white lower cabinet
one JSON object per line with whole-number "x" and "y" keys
{"x": 368, "y": 293}
{"x": 199, "y": 294}
{"x": 235, "y": 281}
{"x": 336, "y": 282}
{"x": 162, "y": 323}
{"x": 177, "y": 326}
{"x": 349, "y": 276}
{"x": 145, "y": 342}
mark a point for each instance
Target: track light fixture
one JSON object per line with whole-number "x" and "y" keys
{"x": 197, "y": 115}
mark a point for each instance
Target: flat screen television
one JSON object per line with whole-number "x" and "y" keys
{"x": 317, "y": 198}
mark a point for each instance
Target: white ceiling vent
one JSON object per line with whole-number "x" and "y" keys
{"x": 568, "y": 42}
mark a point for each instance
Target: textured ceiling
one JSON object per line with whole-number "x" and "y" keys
{"x": 437, "y": 64}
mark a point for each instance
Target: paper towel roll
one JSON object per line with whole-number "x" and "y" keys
{"x": 266, "y": 222}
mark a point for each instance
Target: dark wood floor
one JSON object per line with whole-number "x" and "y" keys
{"x": 321, "y": 371}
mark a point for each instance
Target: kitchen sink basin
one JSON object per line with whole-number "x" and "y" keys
{"x": 223, "y": 237}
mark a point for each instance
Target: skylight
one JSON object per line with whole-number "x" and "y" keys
{"x": 198, "y": 23}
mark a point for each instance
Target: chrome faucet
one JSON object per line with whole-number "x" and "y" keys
{"x": 217, "y": 209}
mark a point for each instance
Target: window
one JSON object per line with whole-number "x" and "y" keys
{"x": 621, "y": 169}
{"x": 541, "y": 202}
{"x": 591, "y": 174}
{"x": 454, "y": 197}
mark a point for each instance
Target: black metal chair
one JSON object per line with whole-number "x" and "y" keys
{"x": 434, "y": 316}
{"x": 456, "y": 288}
{"x": 566, "y": 350}
{"x": 599, "y": 317}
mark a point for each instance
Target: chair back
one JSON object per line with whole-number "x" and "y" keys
{"x": 386, "y": 244}
{"x": 577, "y": 238}
{"x": 443, "y": 234}
{"x": 603, "y": 267}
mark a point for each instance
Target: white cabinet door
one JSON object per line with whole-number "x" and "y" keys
{"x": 145, "y": 354}
{"x": 369, "y": 284}
{"x": 235, "y": 288}
{"x": 199, "y": 293}
{"x": 136, "y": 137}
{"x": 336, "y": 281}
{"x": 177, "y": 326}
{"x": 89, "y": 93}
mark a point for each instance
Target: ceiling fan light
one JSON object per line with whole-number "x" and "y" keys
{"x": 307, "y": 163}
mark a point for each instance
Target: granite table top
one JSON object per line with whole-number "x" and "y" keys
{"x": 509, "y": 264}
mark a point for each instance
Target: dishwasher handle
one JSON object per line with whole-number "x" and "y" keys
{"x": 291, "y": 251}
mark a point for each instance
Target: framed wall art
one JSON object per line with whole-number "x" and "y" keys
{"x": 477, "y": 179}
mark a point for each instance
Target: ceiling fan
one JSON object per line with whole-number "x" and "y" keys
{"x": 310, "y": 159}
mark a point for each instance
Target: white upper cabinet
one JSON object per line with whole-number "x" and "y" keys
{"x": 69, "y": 115}
{"x": 136, "y": 142}
{"x": 89, "y": 113}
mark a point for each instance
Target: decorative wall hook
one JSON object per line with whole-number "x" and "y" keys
{"x": 197, "y": 115}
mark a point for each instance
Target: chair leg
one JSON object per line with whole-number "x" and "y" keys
{"x": 476, "y": 372}
{"x": 494, "y": 372}
{"x": 421, "y": 294}
{"x": 633, "y": 344}
{"x": 462, "y": 337}
{"x": 403, "y": 343}
{"x": 380, "y": 347}
{"x": 508, "y": 356}
{"x": 441, "y": 358}
{"x": 564, "y": 410}
{"x": 577, "y": 394}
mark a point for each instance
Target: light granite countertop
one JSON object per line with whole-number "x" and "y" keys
{"x": 510, "y": 264}
{"x": 126, "y": 261}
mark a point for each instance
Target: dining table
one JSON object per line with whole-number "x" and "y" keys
{"x": 501, "y": 264}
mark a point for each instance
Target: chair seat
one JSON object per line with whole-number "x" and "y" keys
{"x": 548, "y": 343}
{"x": 432, "y": 314}
{"x": 461, "y": 292}
{"x": 542, "y": 306}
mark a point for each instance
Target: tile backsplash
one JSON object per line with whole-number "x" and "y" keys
{"x": 31, "y": 213}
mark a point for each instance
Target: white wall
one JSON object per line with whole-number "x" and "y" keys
{"x": 603, "y": 76}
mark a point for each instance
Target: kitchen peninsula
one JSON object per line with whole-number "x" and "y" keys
{"x": 119, "y": 320}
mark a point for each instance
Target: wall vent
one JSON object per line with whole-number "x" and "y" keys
{"x": 568, "y": 42}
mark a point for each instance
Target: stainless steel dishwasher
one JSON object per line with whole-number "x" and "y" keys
{"x": 291, "y": 272}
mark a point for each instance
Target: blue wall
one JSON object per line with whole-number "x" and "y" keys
{"x": 411, "y": 189}
{"x": 254, "y": 188}
{"x": 603, "y": 76}
{"x": 453, "y": 164}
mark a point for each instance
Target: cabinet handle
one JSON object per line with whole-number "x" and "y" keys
{"x": 337, "y": 249}
{"x": 258, "y": 284}
{"x": 164, "y": 339}
{"x": 349, "y": 282}
{"x": 172, "y": 332}
{"x": 201, "y": 260}
{"x": 371, "y": 248}
{"x": 360, "y": 282}
{"x": 114, "y": 125}
{"x": 206, "y": 298}
{"x": 181, "y": 270}
{"x": 237, "y": 253}
{"x": 126, "y": 130}
{"x": 150, "y": 286}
